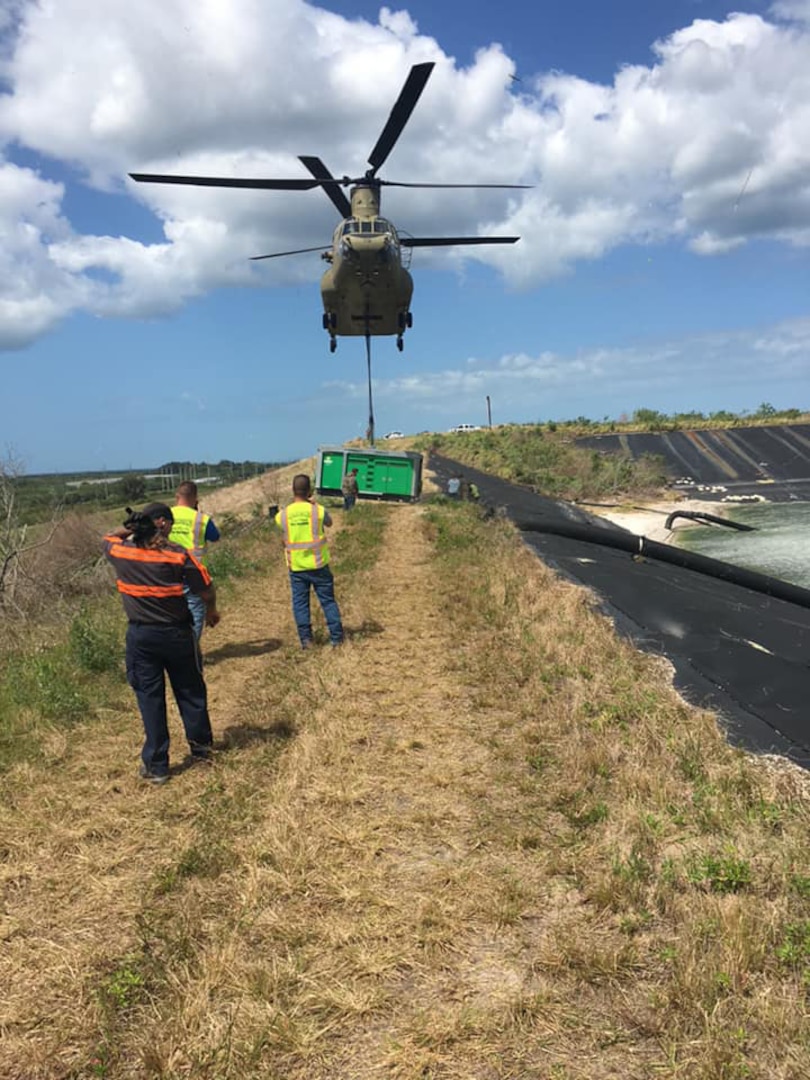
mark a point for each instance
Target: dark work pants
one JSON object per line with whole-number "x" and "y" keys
{"x": 152, "y": 653}
{"x": 301, "y": 581}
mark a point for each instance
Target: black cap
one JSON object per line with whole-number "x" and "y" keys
{"x": 158, "y": 510}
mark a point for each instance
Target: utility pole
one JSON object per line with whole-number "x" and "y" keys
{"x": 489, "y": 412}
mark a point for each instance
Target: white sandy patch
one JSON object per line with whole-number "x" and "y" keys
{"x": 649, "y": 519}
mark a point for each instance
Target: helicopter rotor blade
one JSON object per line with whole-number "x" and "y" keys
{"x": 400, "y": 183}
{"x": 330, "y": 185}
{"x": 449, "y": 241}
{"x": 400, "y": 114}
{"x": 322, "y": 178}
{"x": 279, "y": 254}
{"x": 226, "y": 181}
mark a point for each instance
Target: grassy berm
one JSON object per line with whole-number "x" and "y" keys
{"x": 484, "y": 840}
{"x": 548, "y": 459}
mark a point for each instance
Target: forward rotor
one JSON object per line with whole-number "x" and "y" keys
{"x": 321, "y": 176}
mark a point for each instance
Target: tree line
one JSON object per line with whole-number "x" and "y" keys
{"x": 36, "y": 496}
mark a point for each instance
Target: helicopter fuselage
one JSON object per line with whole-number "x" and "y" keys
{"x": 366, "y": 289}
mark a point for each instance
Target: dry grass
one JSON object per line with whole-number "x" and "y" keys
{"x": 272, "y": 487}
{"x": 484, "y": 840}
{"x": 63, "y": 563}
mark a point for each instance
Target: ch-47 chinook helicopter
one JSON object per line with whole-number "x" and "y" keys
{"x": 366, "y": 289}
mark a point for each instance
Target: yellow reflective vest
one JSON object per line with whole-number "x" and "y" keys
{"x": 189, "y": 530}
{"x": 304, "y": 539}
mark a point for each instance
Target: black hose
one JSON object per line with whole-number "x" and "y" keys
{"x": 698, "y": 515}
{"x": 689, "y": 560}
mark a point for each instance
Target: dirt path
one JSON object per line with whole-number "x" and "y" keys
{"x": 369, "y": 846}
{"x": 367, "y": 820}
{"x": 418, "y": 855}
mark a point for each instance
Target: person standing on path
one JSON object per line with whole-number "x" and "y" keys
{"x": 349, "y": 489}
{"x": 151, "y": 574}
{"x": 193, "y": 530}
{"x": 303, "y": 523}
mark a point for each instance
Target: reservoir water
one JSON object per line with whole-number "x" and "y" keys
{"x": 780, "y": 546}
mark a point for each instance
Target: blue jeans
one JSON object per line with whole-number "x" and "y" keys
{"x": 152, "y": 652}
{"x": 349, "y": 501}
{"x": 196, "y": 605}
{"x": 301, "y": 581}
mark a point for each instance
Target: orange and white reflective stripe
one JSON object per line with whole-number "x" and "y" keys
{"x": 127, "y": 553}
{"x": 203, "y": 569}
{"x": 149, "y": 590}
{"x": 152, "y": 555}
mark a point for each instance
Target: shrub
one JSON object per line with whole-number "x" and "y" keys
{"x": 94, "y": 641}
{"x": 225, "y": 561}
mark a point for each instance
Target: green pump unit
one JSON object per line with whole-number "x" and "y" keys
{"x": 381, "y": 474}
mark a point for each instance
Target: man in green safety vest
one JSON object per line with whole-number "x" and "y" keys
{"x": 193, "y": 530}
{"x": 303, "y": 523}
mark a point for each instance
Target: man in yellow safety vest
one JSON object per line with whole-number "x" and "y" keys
{"x": 303, "y": 523}
{"x": 193, "y": 530}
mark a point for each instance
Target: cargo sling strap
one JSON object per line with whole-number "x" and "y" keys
{"x": 316, "y": 545}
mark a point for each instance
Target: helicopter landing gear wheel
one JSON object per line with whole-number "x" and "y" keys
{"x": 400, "y": 343}
{"x": 332, "y": 344}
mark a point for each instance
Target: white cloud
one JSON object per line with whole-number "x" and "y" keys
{"x": 706, "y": 147}
{"x": 34, "y": 296}
{"x": 707, "y": 243}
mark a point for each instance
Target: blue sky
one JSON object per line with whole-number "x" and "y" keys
{"x": 663, "y": 260}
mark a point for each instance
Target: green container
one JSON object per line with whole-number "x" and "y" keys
{"x": 381, "y": 474}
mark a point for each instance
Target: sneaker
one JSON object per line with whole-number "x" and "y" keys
{"x": 152, "y": 777}
{"x": 308, "y": 644}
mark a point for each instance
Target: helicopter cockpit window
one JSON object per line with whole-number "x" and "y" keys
{"x": 382, "y": 226}
{"x": 366, "y": 226}
{"x": 351, "y": 226}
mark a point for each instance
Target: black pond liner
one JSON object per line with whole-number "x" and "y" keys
{"x": 739, "y": 641}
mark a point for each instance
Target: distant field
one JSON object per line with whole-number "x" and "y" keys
{"x": 38, "y": 495}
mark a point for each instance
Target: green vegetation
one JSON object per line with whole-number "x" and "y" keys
{"x": 39, "y": 496}
{"x": 361, "y": 537}
{"x": 644, "y": 419}
{"x": 550, "y": 462}
{"x": 652, "y": 420}
{"x": 546, "y": 456}
{"x": 95, "y": 638}
{"x": 226, "y": 560}
{"x": 57, "y": 677}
